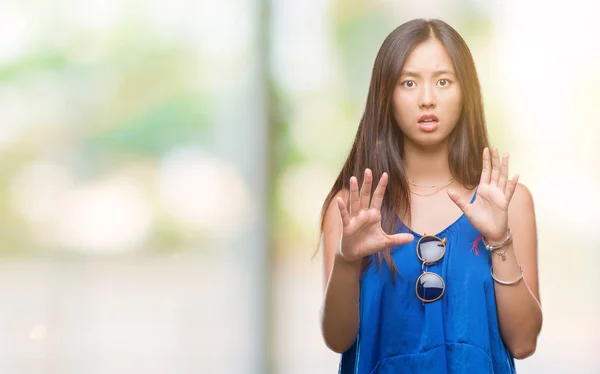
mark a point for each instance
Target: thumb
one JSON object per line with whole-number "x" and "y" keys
{"x": 402, "y": 238}
{"x": 458, "y": 200}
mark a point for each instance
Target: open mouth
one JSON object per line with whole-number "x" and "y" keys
{"x": 429, "y": 118}
{"x": 428, "y": 122}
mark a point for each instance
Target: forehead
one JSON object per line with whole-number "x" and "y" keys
{"x": 428, "y": 56}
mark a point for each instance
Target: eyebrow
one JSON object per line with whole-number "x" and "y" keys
{"x": 436, "y": 73}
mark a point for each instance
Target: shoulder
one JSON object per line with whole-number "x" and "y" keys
{"x": 522, "y": 223}
{"x": 343, "y": 193}
{"x": 331, "y": 232}
{"x": 332, "y": 213}
{"x": 521, "y": 218}
{"x": 522, "y": 200}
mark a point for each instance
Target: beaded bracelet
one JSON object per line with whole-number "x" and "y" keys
{"x": 493, "y": 247}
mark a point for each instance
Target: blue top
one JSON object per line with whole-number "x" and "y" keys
{"x": 457, "y": 334}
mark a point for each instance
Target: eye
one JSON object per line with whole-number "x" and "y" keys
{"x": 443, "y": 83}
{"x": 409, "y": 84}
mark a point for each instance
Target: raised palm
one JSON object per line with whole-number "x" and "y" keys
{"x": 362, "y": 232}
{"x": 489, "y": 212}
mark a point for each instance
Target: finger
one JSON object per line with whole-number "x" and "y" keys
{"x": 343, "y": 211}
{"x": 486, "y": 168}
{"x": 495, "y": 167}
{"x": 365, "y": 190}
{"x": 397, "y": 239}
{"x": 354, "y": 199}
{"x": 379, "y": 192}
{"x": 458, "y": 200}
{"x": 503, "y": 173}
{"x": 511, "y": 187}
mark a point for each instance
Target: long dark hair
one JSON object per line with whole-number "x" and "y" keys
{"x": 378, "y": 143}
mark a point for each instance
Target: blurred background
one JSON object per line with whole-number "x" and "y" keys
{"x": 163, "y": 166}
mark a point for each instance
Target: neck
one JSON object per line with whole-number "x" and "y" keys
{"x": 427, "y": 165}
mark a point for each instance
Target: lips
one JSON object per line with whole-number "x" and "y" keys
{"x": 428, "y": 122}
{"x": 428, "y": 118}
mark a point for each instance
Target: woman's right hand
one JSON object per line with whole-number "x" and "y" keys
{"x": 362, "y": 233}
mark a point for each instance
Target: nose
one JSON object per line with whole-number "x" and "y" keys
{"x": 427, "y": 97}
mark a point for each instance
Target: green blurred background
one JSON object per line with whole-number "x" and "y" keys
{"x": 163, "y": 166}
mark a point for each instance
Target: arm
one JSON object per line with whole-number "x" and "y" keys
{"x": 348, "y": 237}
{"x": 493, "y": 213}
{"x": 519, "y": 310}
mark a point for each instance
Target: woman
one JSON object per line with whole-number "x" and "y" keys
{"x": 431, "y": 266}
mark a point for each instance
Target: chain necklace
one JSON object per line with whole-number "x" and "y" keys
{"x": 435, "y": 191}
{"x": 433, "y": 186}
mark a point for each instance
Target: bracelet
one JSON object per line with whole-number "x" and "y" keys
{"x": 493, "y": 247}
{"x": 506, "y": 283}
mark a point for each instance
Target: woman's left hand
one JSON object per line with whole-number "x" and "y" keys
{"x": 489, "y": 212}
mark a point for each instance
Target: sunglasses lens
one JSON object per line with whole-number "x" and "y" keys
{"x": 430, "y": 287}
{"x": 430, "y": 249}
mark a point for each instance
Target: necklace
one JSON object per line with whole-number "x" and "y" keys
{"x": 433, "y": 186}
{"x": 436, "y": 190}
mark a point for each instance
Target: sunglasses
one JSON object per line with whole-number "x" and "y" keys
{"x": 430, "y": 286}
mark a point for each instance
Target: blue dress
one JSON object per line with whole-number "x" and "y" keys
{"x": 457, "y": 334}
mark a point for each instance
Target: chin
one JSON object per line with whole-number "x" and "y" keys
{"x": 428, "y": 139}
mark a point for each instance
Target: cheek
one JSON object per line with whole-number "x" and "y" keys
{"x": 458, "y": 103}
{"x": 453, "y": 105}
{"x": 402, "y": 109}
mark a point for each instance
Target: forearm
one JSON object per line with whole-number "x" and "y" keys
{"x": 519, "y": 312}
{"x": 339, "y": 314}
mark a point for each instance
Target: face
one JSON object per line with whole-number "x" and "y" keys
{"x": 427, "y": 99}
